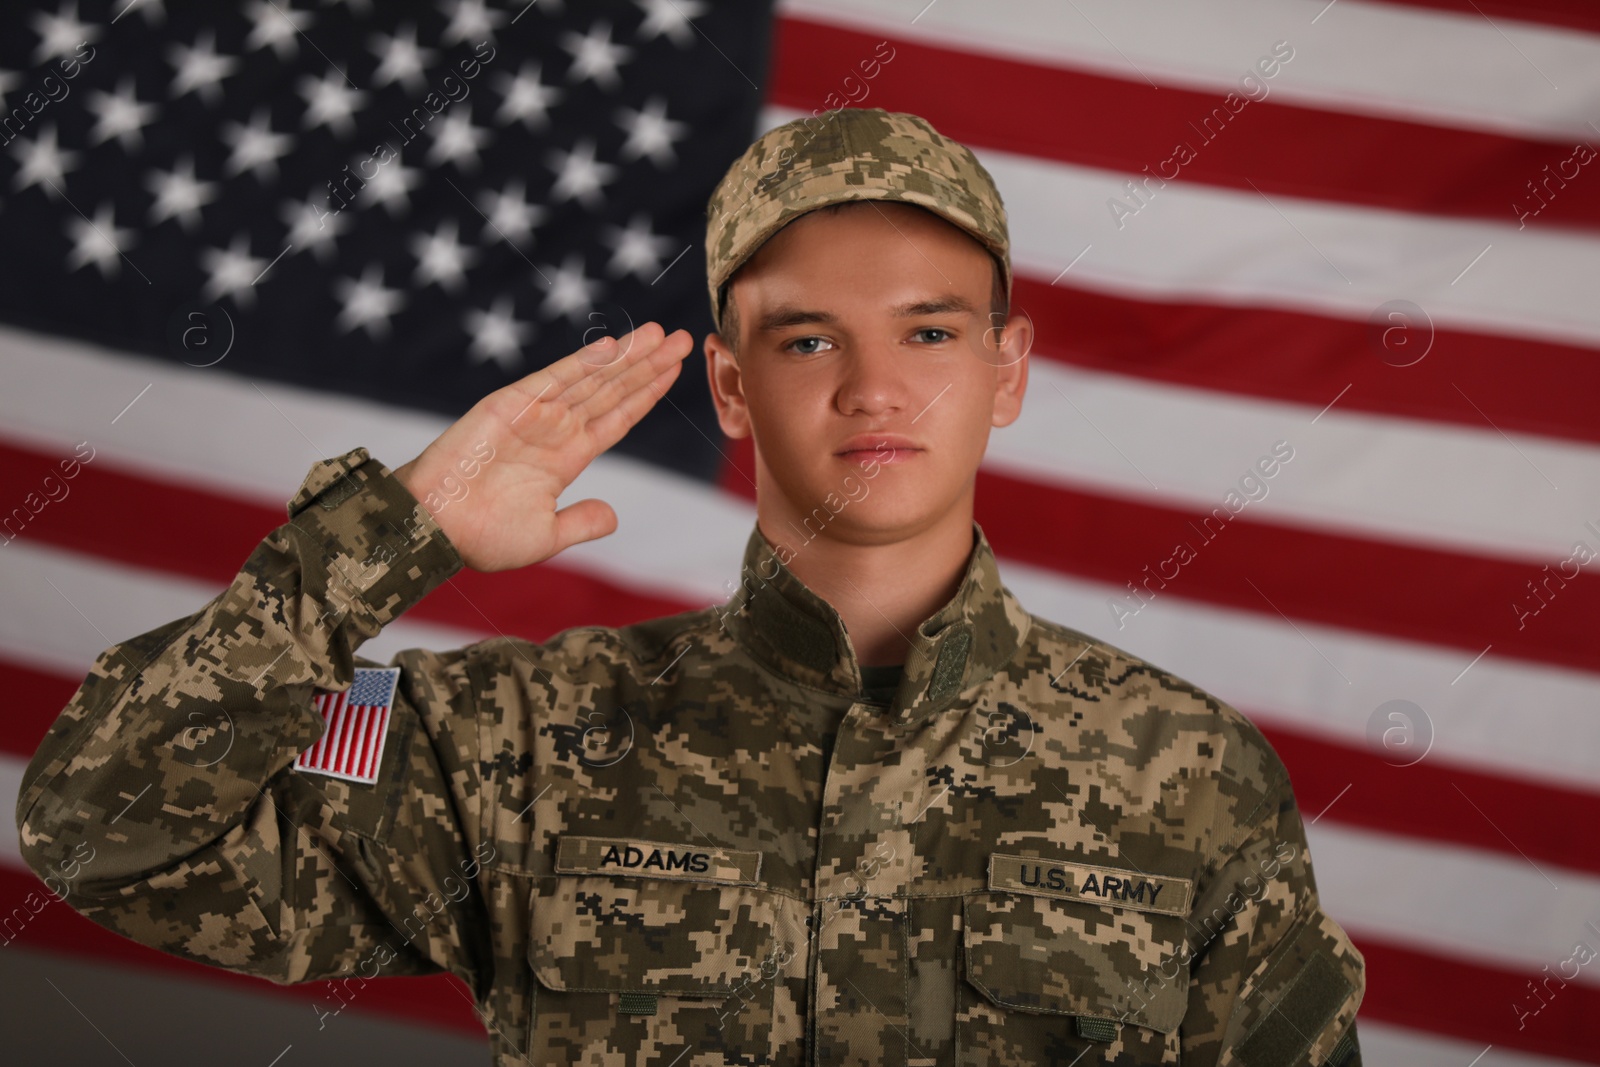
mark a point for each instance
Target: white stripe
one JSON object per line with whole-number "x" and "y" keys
{"x": 1462, "y": 903}
{"x": 65, "y": 608}
{"x": 1317, "y": 679}
{"x": 1230, "y": 247}
{"x": 1331, "y": 682}
{"x": 1443, "y": 68}
{"x": 1386, "y": 478}
{"x": 1384, "y": 1045}
{"x": 1435, "y": 484}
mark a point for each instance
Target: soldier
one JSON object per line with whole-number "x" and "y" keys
{"x": 869, "y": 810}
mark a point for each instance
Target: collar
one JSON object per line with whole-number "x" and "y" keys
{"x": 780, "y": 621}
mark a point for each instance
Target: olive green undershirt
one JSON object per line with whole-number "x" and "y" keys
{"x": 878, "y": 684}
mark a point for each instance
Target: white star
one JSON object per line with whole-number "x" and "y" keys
{"x": 579, "y": 175}
{"x": 651, "y": 133}
{"x": 367, "y": 303}
{"x": 314, "y": 224}
{"x": 232, "y": 272}
{"x": 120, "y": 115}
{"x": 276, "y": 24}
{"x": 178, "y": 195}
{"x": 637, "y": 249}
{"x": 152, "y": 10}
{"x": 391, "y": 186}
{"x": 9, "y": 80}
{"x": 330, "y": 102}
{"x": 670, "y": 18}
{"x": 200, "y": 68}
{"x": 255, "y": 147}
{"x": 442, "y": 258}
{"x": 527, "y": 99}
{"x": 470, "y": 20}
{"x": 457, "y": 140}
{"x": 60, "y": 34}
{"x": 399, "y": 59}
{"x": 571, "y": 291}
{"x": 497, "y": 335}
{"x": 98, "y": 242}
{"x": 595, "y": 56}
{"x": 42, "y": 162}
{"x": 510, "y": 214}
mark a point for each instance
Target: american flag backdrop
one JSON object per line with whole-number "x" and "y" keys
{"x": 1356, "y": 243}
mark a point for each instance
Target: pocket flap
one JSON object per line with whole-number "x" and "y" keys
{"x": 1070, "y": 957}
{"x": 690, "y": 939}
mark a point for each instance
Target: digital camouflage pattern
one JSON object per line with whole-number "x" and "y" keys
{"x": 688, "y": 841}
{"x": 847, "y": 154}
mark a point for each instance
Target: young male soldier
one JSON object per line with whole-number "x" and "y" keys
{"x": 706, "y": 838}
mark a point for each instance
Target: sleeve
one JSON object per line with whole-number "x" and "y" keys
{"x": 163, "y": 803}
{"x": 1274, "y": 981}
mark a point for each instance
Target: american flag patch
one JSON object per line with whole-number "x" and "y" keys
{"x": 357, "y": 722}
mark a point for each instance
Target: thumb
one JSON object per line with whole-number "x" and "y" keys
{"x": 584, "y": 520}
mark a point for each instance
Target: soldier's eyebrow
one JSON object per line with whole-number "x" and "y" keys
{"x": 785, "y": 315}
{"x": 936, "y": 306}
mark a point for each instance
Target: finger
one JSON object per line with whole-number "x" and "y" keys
{"x": 583, "y": 520}
{"x": 609, "y": 427}
{"x": 597, "y": 357}
{"x": 647, "y": 334}
{"x": 641, "y": 375}
{"x": 577, "y": 375}
{"x": 631, "y": 356}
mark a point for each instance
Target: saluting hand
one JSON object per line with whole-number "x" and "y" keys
{"x": 492, "y": 479}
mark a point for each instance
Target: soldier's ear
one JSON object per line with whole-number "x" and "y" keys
{"x": 1011, "y": 373}
{"x": 726, "y": 380}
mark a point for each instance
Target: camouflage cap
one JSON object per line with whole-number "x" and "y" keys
{"x": 840, "y": 155}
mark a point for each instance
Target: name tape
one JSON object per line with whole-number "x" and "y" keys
{"x": 656, "y": 859}
{"x": 1111, "y": 886}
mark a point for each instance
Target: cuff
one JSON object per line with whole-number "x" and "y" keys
{"x": 384, "y": 551}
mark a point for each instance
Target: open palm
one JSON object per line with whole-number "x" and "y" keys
{"x": 492, "y": 479}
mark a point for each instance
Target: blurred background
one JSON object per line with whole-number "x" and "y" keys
{"x": 1353, "y": 242}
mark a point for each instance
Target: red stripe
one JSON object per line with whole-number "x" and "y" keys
{"x": 1430, "y": 595}
{"x": 341, "y": 746}
{"x": 369, "y": 721}
{"x": 369, "y": 769}
{"x": 437, "y": 1000}
{"x": 1521, "y": 385}
{"x": 1127, "y": 124}
{"x": 535, "y": 602}
{"x": 358, "y": 734}
{"x": 1575, "y": 14}
{"x": 330, "y": 735}
{"x": 1435, "y": 800}
{"x": 1471, "y": 1002}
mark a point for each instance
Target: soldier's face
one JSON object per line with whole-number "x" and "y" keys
{"x": 868, "y": 322}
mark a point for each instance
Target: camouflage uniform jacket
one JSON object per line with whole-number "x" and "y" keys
{"x": 693, "y": 833}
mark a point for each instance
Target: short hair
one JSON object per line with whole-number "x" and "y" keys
{"x": 999, "y": 306}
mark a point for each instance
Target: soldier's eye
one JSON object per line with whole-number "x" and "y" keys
{"x": 807, "y": 346}
{"x": 944, "y": 334}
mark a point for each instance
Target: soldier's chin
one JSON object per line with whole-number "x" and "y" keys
{"x": 876, "y": 520}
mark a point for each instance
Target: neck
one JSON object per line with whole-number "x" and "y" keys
{"x": 881, "y": 590}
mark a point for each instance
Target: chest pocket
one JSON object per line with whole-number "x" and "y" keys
{"x": 637, "y": 970}
{"x": 1048, "y": 979}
